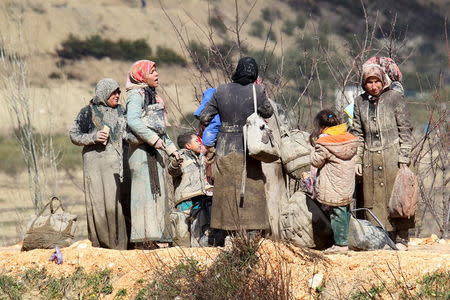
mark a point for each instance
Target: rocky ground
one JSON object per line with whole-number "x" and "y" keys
{"x": 335, "y": 275}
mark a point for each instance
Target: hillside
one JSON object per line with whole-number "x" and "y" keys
{"x": 68, "y": 83}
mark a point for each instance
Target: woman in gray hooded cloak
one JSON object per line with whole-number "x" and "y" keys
{"x": 100, "y": 127}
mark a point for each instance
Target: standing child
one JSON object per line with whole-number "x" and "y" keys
{"x": 333, "y": 156}
{"x": 192, "y": 191}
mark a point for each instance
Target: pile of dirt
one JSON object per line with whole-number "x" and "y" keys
{"x": 337, "y": 273}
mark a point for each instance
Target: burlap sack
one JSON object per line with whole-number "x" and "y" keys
{"x": 48, "y": 231}
{"x": 304, "y": 224}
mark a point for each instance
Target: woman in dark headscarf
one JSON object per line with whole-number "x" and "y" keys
{"x": 100, "y": 127}
{"x": 234, "y": 103}
{"x": 382, "y": 124}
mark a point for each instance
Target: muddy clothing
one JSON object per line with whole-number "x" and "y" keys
{"x": 275, "y": 187}
{"x": 234, "y": 103}
{"x": 150, "y": 205}
{"x": 103, "y": 173}
{"x": 189, "y": 176}
{"x": 384, "y": 129}
{"x": 333, "y": 156}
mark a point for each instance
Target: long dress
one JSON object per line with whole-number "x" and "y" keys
{"x": 149, "y": 208}
{"x": 234, "y": 103}
{"x": 384, "y": 130}
{"x": 103, "y": 174}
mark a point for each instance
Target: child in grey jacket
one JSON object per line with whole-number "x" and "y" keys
{"x": 193, "y": 193}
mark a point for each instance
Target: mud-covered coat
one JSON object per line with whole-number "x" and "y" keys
{"x": 234, "y": 103}
{"x": 333, "y": 155}
{"x": 105, "y": 192}
{"x": 383, "y": 128}
{"x": 189, "y": 176}
{"x": 149, "y": 212}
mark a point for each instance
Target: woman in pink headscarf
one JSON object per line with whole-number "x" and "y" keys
{"x": 149, "y": 147}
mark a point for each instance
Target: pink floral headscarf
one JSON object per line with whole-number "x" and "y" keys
{"x": 136, "y": 80}
{"x": 137, "y": 73}
{"x": 388, "y": 65}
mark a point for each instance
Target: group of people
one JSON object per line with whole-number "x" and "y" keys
{"x": 142, "y": 190}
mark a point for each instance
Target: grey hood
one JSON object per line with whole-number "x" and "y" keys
{"x": 103, "y": 90}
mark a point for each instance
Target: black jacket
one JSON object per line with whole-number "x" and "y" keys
{"x": 234, "y": 103}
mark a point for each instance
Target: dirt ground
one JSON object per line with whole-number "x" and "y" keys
{"x": 343, "y": 273}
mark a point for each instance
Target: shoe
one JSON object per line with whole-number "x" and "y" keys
{"x": 336, "y": 248}
{"x": 401, "y": 247}
{"x": 228, "y": 244}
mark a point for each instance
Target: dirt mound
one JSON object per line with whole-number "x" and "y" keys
{"x": 342, "y": 274}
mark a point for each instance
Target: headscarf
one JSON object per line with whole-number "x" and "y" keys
{"x": 137, "y": 73}
{"x": 388, "y": 65}
{"x": 373, "y": 70}
{"x": 104, "y": 88}
{"x": 246, "y": 71}
{"x": 136, "y": 80}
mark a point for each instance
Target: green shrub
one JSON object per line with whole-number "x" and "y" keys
{"x": 257, "y": 29}
{"x": 10, "y": 288}
{"x": 217, "y": 23}
{"x": 435, "y": 286}
{"x": 78, "y": 285}
{"x": 288, "y": 27}
{"x": 98, "y": 47}
{"x": 232, "y": 275}
{"x": 218, "y": 56}
{"x": 300, "y": 21}
{"x": 271, "y": 35}
{"x": 222, "y": 55}
{"x": 269, "y": 14}
{"x": 199, "y": 55}
{"x": 372, "y": 293}
{"x": 168, "y": 56}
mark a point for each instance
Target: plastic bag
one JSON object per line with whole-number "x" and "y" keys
{"x": 363, "y": 235}
{"x": 403, "y": 201}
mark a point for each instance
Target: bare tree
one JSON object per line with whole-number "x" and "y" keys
{"x": 38, "y": 149}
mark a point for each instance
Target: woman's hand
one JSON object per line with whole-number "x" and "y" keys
{"x": 403, "y": 165}
{"x": 159, "y": 144}
{"x": 101, "y": 136}
{"x": 358, "y": 169}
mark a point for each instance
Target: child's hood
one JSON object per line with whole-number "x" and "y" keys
{"x": 339, "y": 142}
{"x": 207, "y": 95}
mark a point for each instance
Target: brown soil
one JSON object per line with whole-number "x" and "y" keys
{"x": 343, "y": 273}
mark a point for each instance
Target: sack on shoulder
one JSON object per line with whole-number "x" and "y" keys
{"x": 50, "y": 230}
{"x": 259, "y": 138}
{"x": 295, "y": 153}
{"x": 403, "y": 201}
{"x": 304, "y": 224}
